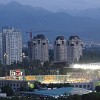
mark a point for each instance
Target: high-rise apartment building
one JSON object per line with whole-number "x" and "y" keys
{"x": 74, "y": 49}
{"x": 1, "y": 50}
{"x": 38, "y": 48}
{"x": 60, "y": 49}
{"x": 11, "y": 45}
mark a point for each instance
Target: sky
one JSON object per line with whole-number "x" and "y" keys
{"x": 59, "y": 4}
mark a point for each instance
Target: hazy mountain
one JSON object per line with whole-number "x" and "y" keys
{"x": 38, "y": 19}
{"x": 92, "y": 13}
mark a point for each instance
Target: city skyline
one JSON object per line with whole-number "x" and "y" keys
{"x": 49, "y": 49}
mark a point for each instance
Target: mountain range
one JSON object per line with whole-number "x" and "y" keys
{"x": 91, "y": 13}
{"x": 51, "y": 24}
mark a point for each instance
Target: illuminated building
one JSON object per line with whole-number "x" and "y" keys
{"x": 74, "y": 49}
{"x": 38, "y": 48}
{"x": 82, "y": 76}
{"x": 60, "y": 49}
{"x": 12, "y": 45}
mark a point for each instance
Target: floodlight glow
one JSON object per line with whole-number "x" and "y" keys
{"x": 93, "y": 66}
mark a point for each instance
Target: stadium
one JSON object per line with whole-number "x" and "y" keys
{"x": 79, "y": 75}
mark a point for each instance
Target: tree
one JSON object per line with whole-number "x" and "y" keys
{"x": 97, "y": 88}
{"x": 75, "y": 97}
{"x": 46, "y": 64}
{"x": 91, "y": 96}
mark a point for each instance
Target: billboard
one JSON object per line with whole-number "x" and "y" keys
{"x": 17, "y": 74}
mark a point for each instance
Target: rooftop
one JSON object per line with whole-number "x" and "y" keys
{"x": 39, "y": 36}
{"x": 73, "y": 37}
{"x": 60, "y": 91}
{"x": 60, "y": 37}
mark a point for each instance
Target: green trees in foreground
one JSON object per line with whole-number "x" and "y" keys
{"x": 97, "y": 88}
{"x": 90, "y": 96}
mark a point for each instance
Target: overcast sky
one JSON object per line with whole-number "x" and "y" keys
{"x": 59, "y": 4}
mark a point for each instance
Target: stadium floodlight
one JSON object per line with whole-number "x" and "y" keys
{"x": 92, "y": 66}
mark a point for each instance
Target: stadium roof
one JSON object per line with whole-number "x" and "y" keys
{"x": 60, "y": 91}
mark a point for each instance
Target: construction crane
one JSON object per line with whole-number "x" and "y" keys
{"x": 30, "y": 32}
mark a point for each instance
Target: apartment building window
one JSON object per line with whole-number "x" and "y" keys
{"x": 43, "y": 43}
{"x": 10, "y": 84}
{"x": 76, "y": 85}
{"x": 62, "y": 42}
{"x": 88, "y": 86}
{"x": 2, "y": 84}
{"x": 17, "y": 84}
{"x": 80, "y": 86}
{"x": 13, "y": 84}
{"x": 84, "y": 86}
{"x": 38, "y": 41}
{"x": 58, "y": 44}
